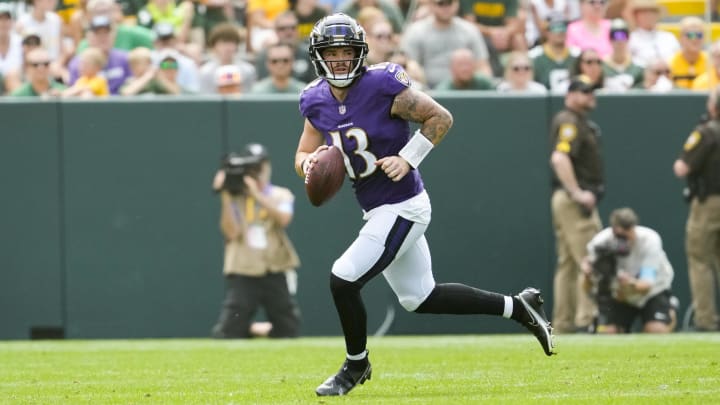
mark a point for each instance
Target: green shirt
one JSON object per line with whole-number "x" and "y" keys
{"x": 152, "y": 87}
{"x": 631, "y": 76}
{"x": 128, "y": 38}
{"x": 27, "y": 90}
{"x": 266, "y": 86}
{"x": 478, "y": 82}
{"x": 489, "y": 12}
{"x": 553, "y": 74}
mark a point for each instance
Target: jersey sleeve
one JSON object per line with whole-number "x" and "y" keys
{"x": 308, "y": 98}
{"x": 390, "y": 78}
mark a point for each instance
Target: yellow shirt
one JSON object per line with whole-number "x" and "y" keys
{"x": 684, "y": 73}
{"x": 98, "y": 85}
{"x": 271, "y": 7}
{"x": 706, "y": 81}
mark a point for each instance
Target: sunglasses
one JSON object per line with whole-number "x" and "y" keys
{"x": 662, "y": 72}
{"x": 286, "y": 27}
{"x": 521, "y": 68}
{"x": 279, "y": 60}
{"x": 693, "y": 35}
{"x": 619, "y": 35}
{"x": 597, "y": 2}
{"x": 168, "y": 65}
{"x": 592, "y": 61}
{"x": 383, "y": 36}
{"x": 38, "y": 64}
{"x": 444, "y": 3}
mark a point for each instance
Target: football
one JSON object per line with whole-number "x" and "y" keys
{"x": 326, "y": 176}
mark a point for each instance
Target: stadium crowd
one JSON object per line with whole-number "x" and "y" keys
{"x": 100, "y": 48}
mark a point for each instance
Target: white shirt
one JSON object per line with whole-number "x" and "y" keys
{"x": 12, "y": 60}
{"x": 49, "y": 30}
{"x": 648, "y": 45}
{"x": 532, "y": 88}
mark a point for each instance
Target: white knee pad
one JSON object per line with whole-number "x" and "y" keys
{"x": 412, "y": 302}
{"x": 345, "y": 269}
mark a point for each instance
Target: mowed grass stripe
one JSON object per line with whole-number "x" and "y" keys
{"x": 678, "y": 368}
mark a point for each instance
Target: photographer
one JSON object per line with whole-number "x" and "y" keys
{"x": 260, "y": 260}
{"x": 629, "y": 274}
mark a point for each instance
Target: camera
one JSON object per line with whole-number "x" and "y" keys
{"x": 236, "y": 167}
{"x": 605, "y": 272}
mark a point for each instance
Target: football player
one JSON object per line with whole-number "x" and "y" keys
{"x": 365, "y": 111}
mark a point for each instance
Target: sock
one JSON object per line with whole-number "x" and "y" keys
{"x": 351, "y": 310}
{"x": 461, "y": 299}
{"x": 356, "y": 357}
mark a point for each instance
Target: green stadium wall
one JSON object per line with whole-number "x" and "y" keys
{"x": 109, "y": 228}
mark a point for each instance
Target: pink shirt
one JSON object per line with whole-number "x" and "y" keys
{"x": 579, "y": 37}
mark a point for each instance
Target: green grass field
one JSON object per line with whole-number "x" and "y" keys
{"x": 680, "y": 368}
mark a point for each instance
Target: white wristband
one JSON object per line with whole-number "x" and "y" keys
{"x": 416, "y": 149}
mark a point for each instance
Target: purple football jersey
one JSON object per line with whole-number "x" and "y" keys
{"x": 363, "y": 129}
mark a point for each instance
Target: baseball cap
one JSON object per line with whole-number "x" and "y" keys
{"x": 619, "y": 30}
{"x": 557, "y": 23}
{"x": 257, "y": 150}
{"x": 164, "y": 31}
{"x": 7, "y": 9}
{"x": 227, "y": 75}
{"x": 583, "y": 84}
{"x": 100, "y": 21}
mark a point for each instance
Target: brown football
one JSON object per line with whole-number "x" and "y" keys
{"x": 326, "y": 176}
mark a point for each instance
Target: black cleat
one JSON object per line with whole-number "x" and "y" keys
{"x": 345, "y": 380}
{"x": 537, "y": 322}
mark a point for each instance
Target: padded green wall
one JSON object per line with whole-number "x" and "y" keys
{"x": 109, "y": 228}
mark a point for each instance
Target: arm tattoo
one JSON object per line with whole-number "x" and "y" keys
{"x": 416, "y": 106}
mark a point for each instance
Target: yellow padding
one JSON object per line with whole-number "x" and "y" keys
{"x": 683, "y": 7}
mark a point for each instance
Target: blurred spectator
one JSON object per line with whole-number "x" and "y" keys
{"x": 592, "y": 30}
{"x": 691, "y": 60}
{"x": 330, "y": 5}
{"x": 519, "y": 76}
{"x": 43, "y": 21}
{"x": 431, "y": 41}
{"x": 261, "y": 20}
{"x": 388, "y": 7}
{"x": 369, "y": 16}
{"x": 126, "y": 37}
{"x": 646, "y": 41}
{"x": 412, "y": 68}
{"x": 656, "y": 76}
{"x": 540, "y": 12}
{"x": 463, "y": 75}
{"x": 10, "y": 42}
{"x": 224, "y": 44}
{"x": 501, "y": 26}
{"x": 145, "y": 78}
{"x": 89, "y": 83}
{"x": 179, "y": 16}
{"x": 15, "y": 77}
{"x": 381, "y": 43}
{"x": 286, "y": 32}
{"x": 553, "y": 60}
{"x": 39, "y": 82}
{"x": 589, "y": 64}
{"x": 619, "y": 70}
{"x": 228, "y": 80}
{"x": 279, "y": 63}
{"x": 709, "y": 80}
{"x": 102, "y": 35}
{"x": 188, "y": 74}
{"x": 207, "y": 14}
{"x": 308, "y": 12}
